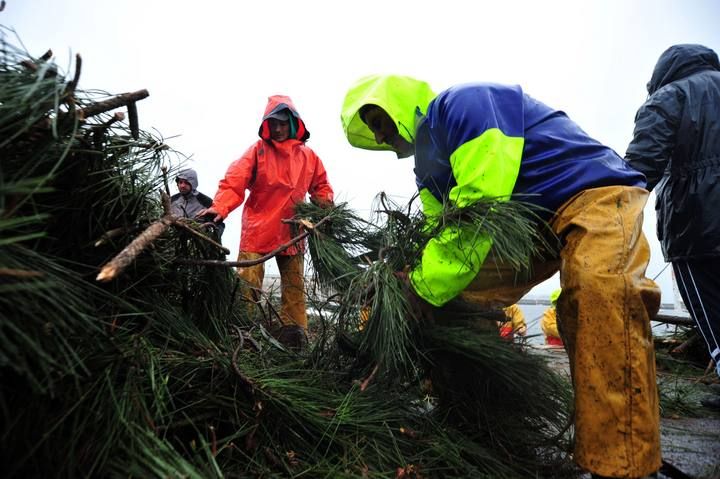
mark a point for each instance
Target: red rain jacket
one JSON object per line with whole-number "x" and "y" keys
{"x": 278, "y": 175}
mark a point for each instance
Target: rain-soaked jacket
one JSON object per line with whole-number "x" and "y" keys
{"x": 676, "y": 144}
{"x": 278, "y": 175}
{"x": 476, "y": 141}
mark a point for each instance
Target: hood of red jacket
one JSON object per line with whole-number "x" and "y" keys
{"x": 275, "y": 104}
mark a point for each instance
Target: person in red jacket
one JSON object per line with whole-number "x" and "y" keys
{"x": 279, "y": 171}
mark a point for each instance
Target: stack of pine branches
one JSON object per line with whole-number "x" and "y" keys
{"x": 491, "y": 390}
{"x": 158, "y": 372}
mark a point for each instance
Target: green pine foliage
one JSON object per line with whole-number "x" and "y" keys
{"x": 489, "y": 389}
{"x": 162, "y": 373}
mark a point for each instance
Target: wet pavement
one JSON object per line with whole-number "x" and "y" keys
{"x": 690, "y": 444}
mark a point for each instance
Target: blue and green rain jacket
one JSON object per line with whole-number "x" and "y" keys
{"x": 480, "y": 140}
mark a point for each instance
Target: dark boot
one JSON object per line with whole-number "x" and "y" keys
{"x": 292, "y": 337}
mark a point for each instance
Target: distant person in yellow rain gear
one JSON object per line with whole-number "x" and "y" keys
{"x": 515, "y": 323}
{"x": 548, "y": 323}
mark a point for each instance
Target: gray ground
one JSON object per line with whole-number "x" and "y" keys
{"x": 691, "y": 444}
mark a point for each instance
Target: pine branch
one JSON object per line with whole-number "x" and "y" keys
{"x": 20, "y": 273}
{"x": 180, "y": 223}
{"x": 252, "y": 262}
{"x": 123, "y": 99}
{"x": 126, "y": 257}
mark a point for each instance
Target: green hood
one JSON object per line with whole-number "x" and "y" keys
{"x": 403, "y": 98}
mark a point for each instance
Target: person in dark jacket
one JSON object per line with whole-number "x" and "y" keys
{"x": 676, "y": 144}
{"x": 188, "y": 201}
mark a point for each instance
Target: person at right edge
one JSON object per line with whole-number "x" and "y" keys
{"x": 676, "y": 144}
{"x": 486, "y": 140}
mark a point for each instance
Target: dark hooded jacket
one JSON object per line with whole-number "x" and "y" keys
{"x": 676, "y": 144}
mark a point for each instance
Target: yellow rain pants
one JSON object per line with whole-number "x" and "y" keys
{"x": 604, "y": 313}
{"x": 292, "y": 286}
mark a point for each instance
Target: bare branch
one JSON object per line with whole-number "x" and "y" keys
{"x": 164, "y": 169}
{"x": 133, "y": 120}
{"x": 113, "y": 233}
{"x": 677, "y": 320}
{"x": 111, "y": 103}
{"x": 248, "y": 262}
{"x": 70, "y": 88}
{"x": 253, "y": 262}
{"x": 165, "y": 200}
{"x": 123, "y": 259}
{"x": 20, "y": 273}
{"x": 366, "y": 382}
{"x": 180, "y": 223}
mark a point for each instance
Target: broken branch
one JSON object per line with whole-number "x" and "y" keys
{"x": 180, "y": 223}
{"x": 20, "y": 273}
{"x": 123, "y": 259}
{"x": 111, "y": 103}
{"x": 252, "y": 262}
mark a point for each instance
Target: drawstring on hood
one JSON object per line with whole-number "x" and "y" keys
{"x": 681, "y": 61}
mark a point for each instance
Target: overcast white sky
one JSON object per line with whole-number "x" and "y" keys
{"x": 209, "y": 67}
